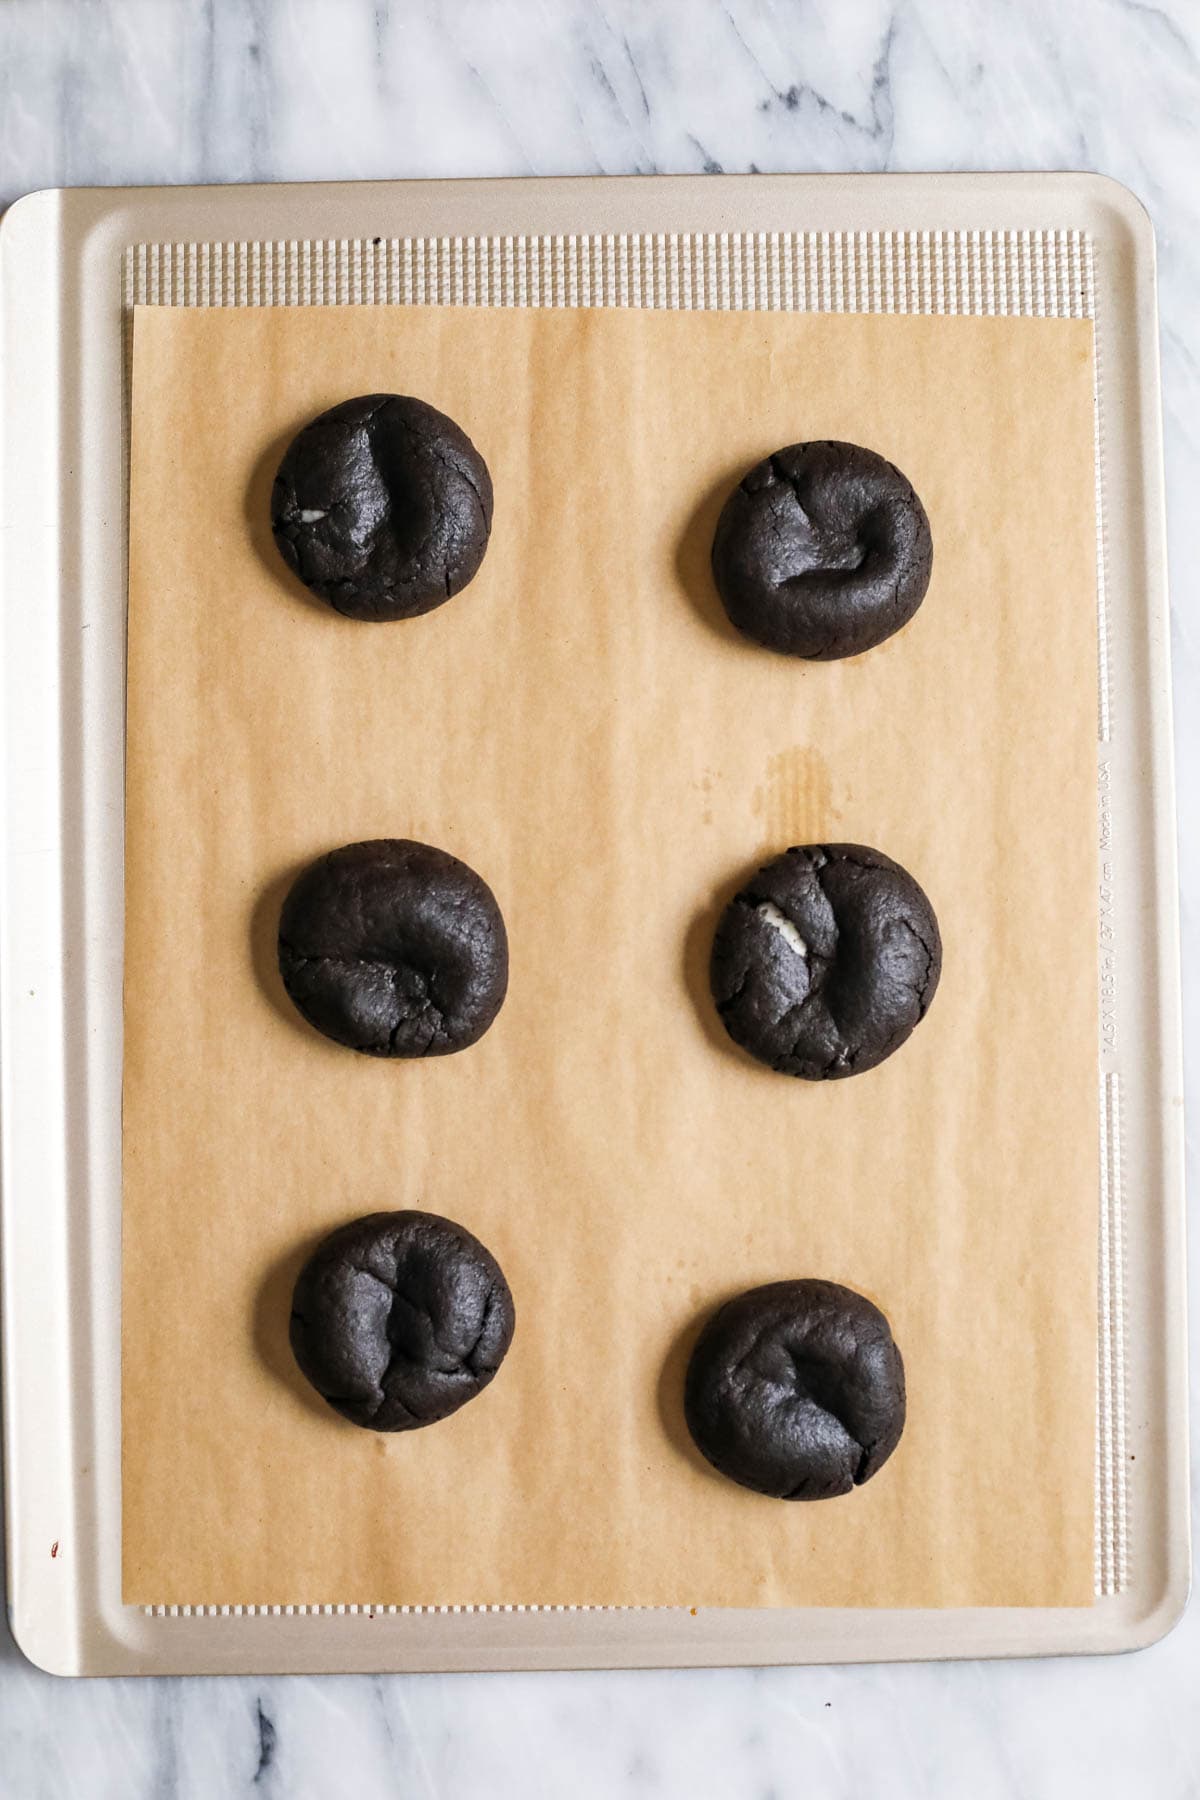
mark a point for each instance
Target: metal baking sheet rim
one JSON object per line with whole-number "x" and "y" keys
{"x": 62, "y": 548}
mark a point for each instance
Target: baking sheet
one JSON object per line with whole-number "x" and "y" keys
{"x": 624, "y": 1163}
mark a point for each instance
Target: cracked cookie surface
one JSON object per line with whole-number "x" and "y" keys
{"x": 394, "y": 948}
{"x": 383, "y": 507}
{"x": 822, "y": 551}
{"x": 400, "y": 1318}
{"x": 826, "y": 959}
{"x": 796, "y": 1390}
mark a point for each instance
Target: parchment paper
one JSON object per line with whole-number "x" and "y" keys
{"x": 583, "y": 727}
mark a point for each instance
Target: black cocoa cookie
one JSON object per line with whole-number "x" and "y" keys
{"x": 399, "y": 1319}
{"x": 383, "y": 507}
{"x": 825, "y": 960}
{"x": 394, "y": 948}
{"x": 823, "y": 551}
{"x": 796, "y": 1390}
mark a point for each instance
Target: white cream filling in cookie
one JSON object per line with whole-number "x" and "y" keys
{"x": 779, "y": 921}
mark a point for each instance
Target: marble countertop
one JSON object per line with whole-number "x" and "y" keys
{"x": 236, "y": 90}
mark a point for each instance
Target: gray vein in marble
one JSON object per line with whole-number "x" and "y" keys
{"x": 266, "y": 1745}
{"x": 1160, "y": 19}
{"x": 633, "y": 68}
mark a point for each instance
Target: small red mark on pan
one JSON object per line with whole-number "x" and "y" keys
{"x": 54, "y": 1548}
